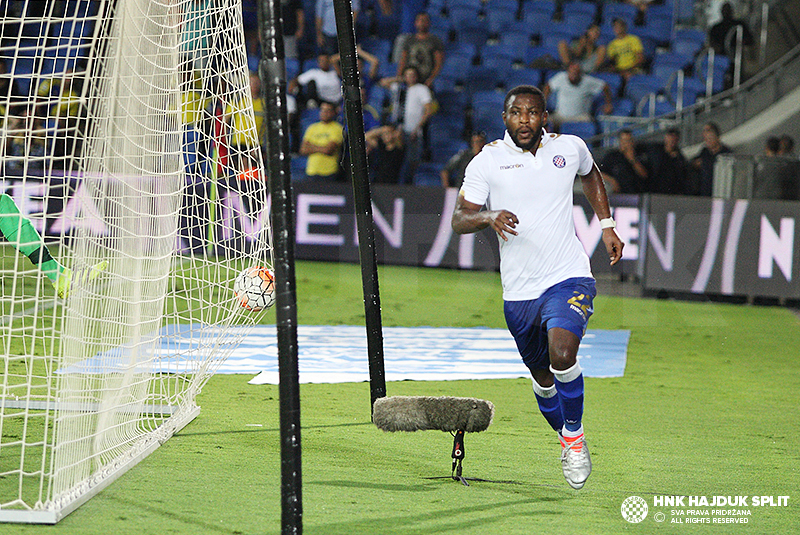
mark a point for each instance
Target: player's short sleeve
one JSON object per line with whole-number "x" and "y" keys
{"x": 585, "y": 159}
{"x": 475, "y": 187}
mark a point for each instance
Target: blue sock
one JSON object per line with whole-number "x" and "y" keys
{"x": 569, "y": 385}
{"x": 549, "y": 405}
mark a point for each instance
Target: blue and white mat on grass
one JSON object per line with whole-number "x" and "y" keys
{"x": 335, "y": 354}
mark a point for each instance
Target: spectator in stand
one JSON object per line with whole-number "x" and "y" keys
{"x": 453, "y": 172}
{"x": 294, "y": 25}
{"x": 623, "y": 168}
{"x": 369, "y": 76}
{"x": 423, "y": 51}
{"x": 574, "y": 94}
{"x": 786, "y": 147}
{"x": 703, "y": 163}
{"x": 625, "y": 52}
{"x": 586, "y": 50}
{"x": 719, "y": 32}
{"x": 325, "y": 19}
{"x": 322, "y": 83}
{"x": 386, "y": 153}
{"x": 412, "y": 106}
{"x": 642, "y": 6}
{"x": 772, "y": 146}
{"x": 322, "y": 143}
{"x": 667, "y": 168}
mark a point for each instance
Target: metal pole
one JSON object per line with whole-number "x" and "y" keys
{"x": 361, "y": 195}
{"x": 272, "y": 71}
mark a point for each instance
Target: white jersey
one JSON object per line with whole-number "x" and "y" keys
{"x": 538, "y": 190}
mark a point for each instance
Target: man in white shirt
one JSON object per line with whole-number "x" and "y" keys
{"x": 525, "y": 180}
{"x": 575, "y": 92}
{"x": 321, "y": 84}
{"x": 412, "y": 106}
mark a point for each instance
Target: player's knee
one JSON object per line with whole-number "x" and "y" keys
{"x": 563, "y": 356}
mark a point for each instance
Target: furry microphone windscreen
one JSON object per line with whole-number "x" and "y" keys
{"x": 420, "y": 413}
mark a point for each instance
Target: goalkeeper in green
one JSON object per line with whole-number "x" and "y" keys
{"x": 19, "y": 232}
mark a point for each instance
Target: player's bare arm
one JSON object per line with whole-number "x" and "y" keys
{"x": 468, "y": 217}
{"x": 595, "y": 191}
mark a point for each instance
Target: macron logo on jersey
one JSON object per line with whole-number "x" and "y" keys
{"x": 559, "y": 161}
{"x": 511, "y": 166}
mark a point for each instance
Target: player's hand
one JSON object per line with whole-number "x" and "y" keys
{"x": 503, "y": 221}
{"x": 613, "y": 245}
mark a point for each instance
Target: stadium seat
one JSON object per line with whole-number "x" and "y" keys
{"x": 523, "y": 77}
{"x": 654, "y": 107}
{"x": 475, "y": 35}
{"x": 517, "y": 41}
{"x": 481, "y": 78}
{"x": 658, "y": 30}
{"x": 488, "y": 98}
{"x": 584, "y": 130}
{"x": 452, "y": 103}
{"x": 380, "y": 48}
{"x": 623, "y": 107}
{"x": 613, "y": 10}
{"x": 720, "y": 67}
{"x": 498, "y": 21}
{"x": 543, "y": 9}
{"x": 579, "y": 21}
{"x": 537, "y": 52}
{"x": 427, "y": 174}
{"x": 613, "y": 80}
{"x": 666, "y": 64}
{"x": 472, "y": 4}
{"x": 462, "y": 17}
{"x": 692, "y": 89}
{"x": 292, "y": 68}
{"x": 641, "y": 85}
{"x": 501, "y": 5}
{"x": 500, "y": 58}
{"x": 460, "y": 48}
{"x": 687, "y": 47}
{"x": 578, "y": 7}
{"x": 490, "y": 121}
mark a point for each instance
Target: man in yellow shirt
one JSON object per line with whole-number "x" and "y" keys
{"x": 322, "y": 143}
{"x": 625, "y": 51}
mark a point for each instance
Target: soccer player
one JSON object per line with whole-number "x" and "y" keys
{"x": 20, "y": 233}
{"x": 525, "y": 180}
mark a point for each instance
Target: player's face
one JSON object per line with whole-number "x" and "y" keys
{"x": 524, "y": 117}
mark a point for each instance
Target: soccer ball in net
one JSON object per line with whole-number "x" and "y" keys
{"x": 255, "y": 288}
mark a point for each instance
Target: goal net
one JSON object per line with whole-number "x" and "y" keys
{"x": 133, "y": 193}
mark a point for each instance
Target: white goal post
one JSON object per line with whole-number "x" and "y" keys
{"x": 132, "y": 192}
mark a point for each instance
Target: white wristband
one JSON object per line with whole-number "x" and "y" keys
{"x": 608, "y": 223}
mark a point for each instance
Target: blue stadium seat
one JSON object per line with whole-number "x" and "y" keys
{"x": 523, "y": 77}
{"x": 613, "y": 80}
{"x": 658, "y": 12}
{"x": 427, "y": 174}
{"x": 490, "y": 121}
{"x": 456, "y": 66}
{"x": 667, "y": 63}
{"x": 690, "y": 34}
{"x": 518, "y": 41}
{"x": 460, "y": 48}
{"x": 538, "y": 8}
{"x": 472, "y": 4}
{"x": 613, "y": 10}
{"x": 475, "y": 35}
{"x": 689, "y": 47}
{"x": 658, "y": 30}
{"x": 692, "y": 89}
{"x": 641, "y": 85}
{"x": 537, "y": 21}
{"x": 583, "y": 130}
{"x": 623, "y": 107}
{"x": 721, "y": 65}
{"x": 577, "y": 6}
{"x": 488, "y": 98}
{"x": 537, "y": 52}
{"x": 500, "y": 58}
{"x": 501, "y": 5}
{"x": 380, "y": 48}
{"x": 498, "y": 21}
{"x": 462, "y": 17}
{"x": 579, "y": 21}
{"x": 481, "y": 78}
{"x": 452, "y": 103}
{"x": 660, "y": 106}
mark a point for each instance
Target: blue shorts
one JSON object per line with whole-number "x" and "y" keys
{"x": 567, "y": 304}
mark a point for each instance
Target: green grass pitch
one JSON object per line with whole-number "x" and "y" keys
{"x": 708, "y": 406}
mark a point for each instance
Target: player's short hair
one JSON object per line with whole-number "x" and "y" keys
{"x": 523, "y": 90}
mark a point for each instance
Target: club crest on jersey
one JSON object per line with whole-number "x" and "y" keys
{"x": 559, "y": 161}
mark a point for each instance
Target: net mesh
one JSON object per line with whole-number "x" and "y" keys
{"x": 133, "y": 186}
